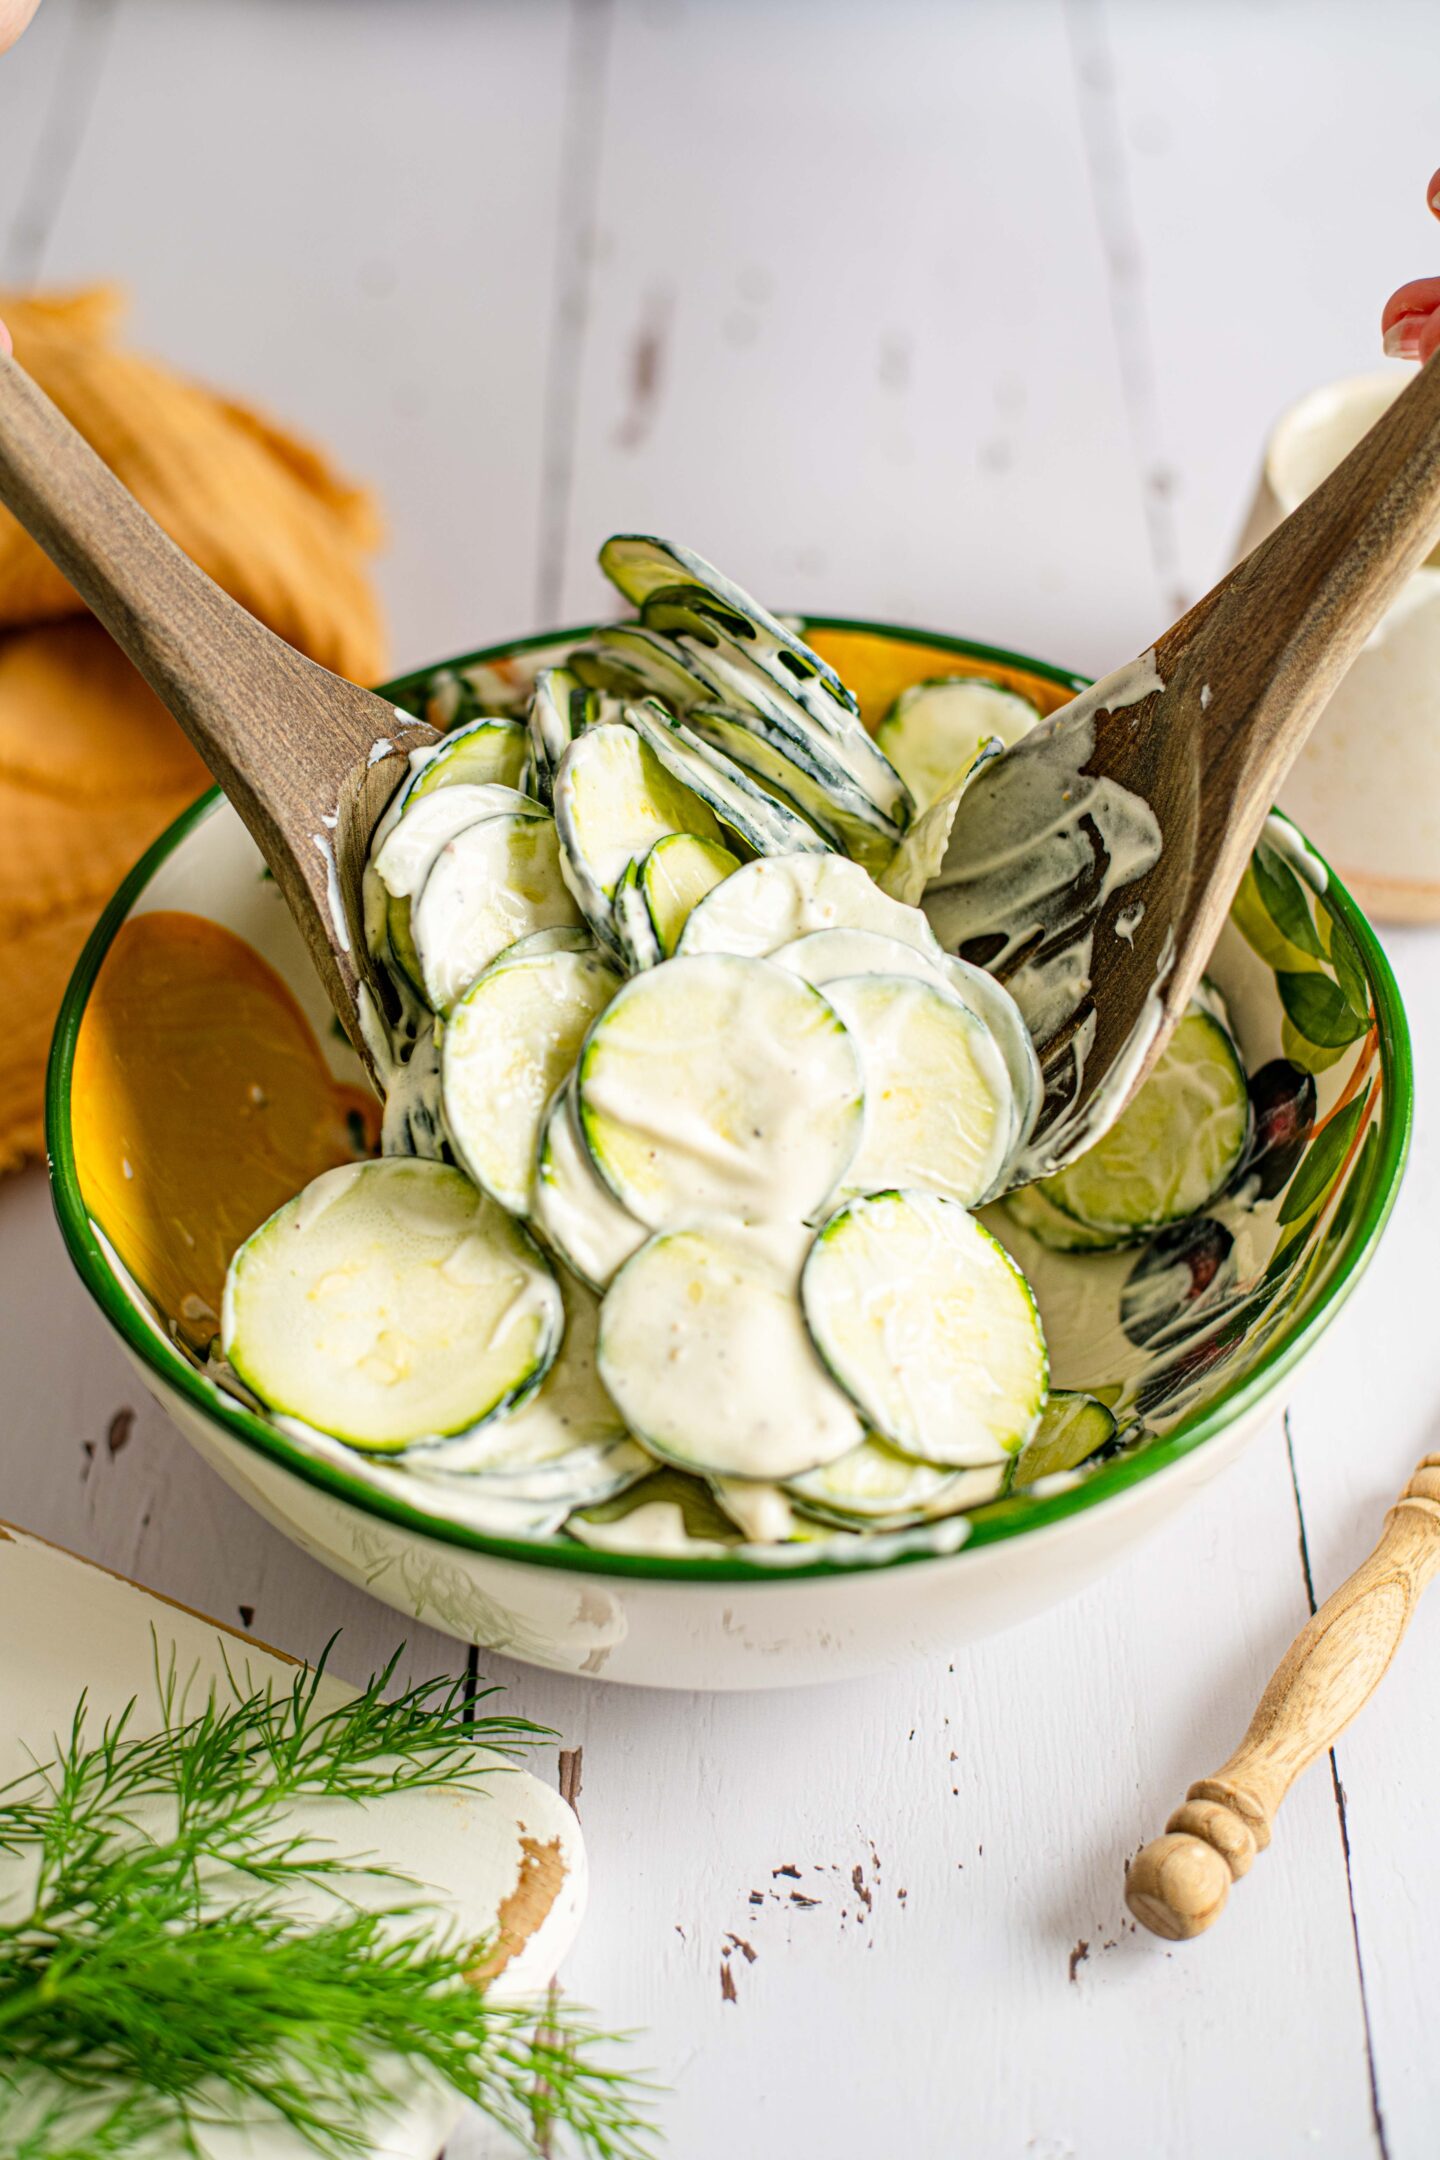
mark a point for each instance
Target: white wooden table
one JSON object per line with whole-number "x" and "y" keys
{"x": 968, "y": 314}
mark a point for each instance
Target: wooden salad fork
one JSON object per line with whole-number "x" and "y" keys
{"x": 1179, "y": 1883}
{"x": 1245, "y": 674}
{"x": 308, "y": 759}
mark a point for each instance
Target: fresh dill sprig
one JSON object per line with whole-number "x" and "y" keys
{"x": 169, "y": 1970}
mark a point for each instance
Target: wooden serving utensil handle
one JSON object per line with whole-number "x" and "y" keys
{"x": 1178, "y": 1884}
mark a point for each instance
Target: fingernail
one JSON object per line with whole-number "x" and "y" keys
{"x": 1402, "y": 339}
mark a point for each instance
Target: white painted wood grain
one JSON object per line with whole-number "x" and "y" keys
{"x": 899, "y": 318}
{"x": 1276, "y": 161}
{"x": 350, "y": 213}
{"x": 848, "y": 330}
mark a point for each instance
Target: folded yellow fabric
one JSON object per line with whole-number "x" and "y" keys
{"x": 91, "y": 766}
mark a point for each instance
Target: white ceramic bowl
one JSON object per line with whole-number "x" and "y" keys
{"x": 740, "y": 1621}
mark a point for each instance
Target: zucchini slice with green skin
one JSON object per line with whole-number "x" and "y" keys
{"x": 568, "y": 1441}
{"x": 779, "y": 898}
{"x": 390, "y": 1302}
{"x": 933, "y": 730}
{"x": 631, "y": 662}
{"x": 573, "y": 1208}
{"x": 640, "y": 947}
{"x": 1174, "y": 1148}
{"x": 706, "y": 1356}
{"x": 833, "y": 804}
{"x": 938, "y": 1115}
{"x": 641, "y": 566}
{"x": 875, "y": 1485}
{"x": 413, "y": 845}
{"x": 676, "y": 875}
{"x": 719, "y": 1089}
{"x": 614, "y": 798}
{"x": 506, "y": 1047}
{"x": 929, "y": 1326}
{"x": 666, "y": 1512}
{"x": 721, "y": 629}
{"x": 1073, "y": 1427}
{"x": 763, "y": 820}
{"x": 424, "y": 827}
{"x": 836, "y": 749}
{"x": 480, "y": 753}
{"x": 993, "y": 1002}
{"x": 822, "y": 956}
{"x": 493, "y": 883}
{"x": 1051, "y": 1227}
{"x": 561, "y": 707}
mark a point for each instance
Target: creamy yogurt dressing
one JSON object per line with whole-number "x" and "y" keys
{"x": 1032, "y": 864}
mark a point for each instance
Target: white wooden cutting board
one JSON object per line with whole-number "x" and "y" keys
{"x": 507, "y": 1863}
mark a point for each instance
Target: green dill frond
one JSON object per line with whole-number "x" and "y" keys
{"x": 165, "y": 1975}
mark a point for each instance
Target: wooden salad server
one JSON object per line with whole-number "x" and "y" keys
{"x": 1245, "y": 674}
{"x": 307, "y": 759}
{"x": 1179, "y": 1883}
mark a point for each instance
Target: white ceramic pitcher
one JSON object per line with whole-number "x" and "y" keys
{"x": 1366, "y": 787}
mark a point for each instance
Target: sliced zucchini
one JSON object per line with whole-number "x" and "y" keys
{"x": 921, "y": 852}
{"x": 642, "y": 566}
{"x": 706, "y": 1356}
{"x": 614, "y": 798}
{"x": 1174, "y": 1148}
{"x": 934, "y": 729}
{"x": 1073, "y": 1427}
{"x": 820, "y": 956}
{"x": 575, "y": 1211}
{"x": 634, "y": 927}
{"x": 413, "y": 846}
{"x": 480, "y": 753}
{"x": 758, "y": 815}
{"x": 937, "y": 1095}
{"x": 507, "y": 1045}
{"x": 1052, "y": 1227}
{"x": 564, "y": 937}
{"x": 833, "y": 803}
{"x": 875, "y": 1485}
{"x": 388, "y": 1302}
{"x": 719, "y": 1089}
{"x": 929, "y": 1326}
{"x": 632, "y": 662}
{"x": 425, "y": 826}
{"x": 676, "y": 875}
{"x": 493, "y": 883}
{"x": 842, "y": 754}
{"x": 771, "y": 902}
{"x": 984, "y": 995}
{"x": 665, "y": 1513}
{"x": 568, "y": 1437}
{"x": 561, "y": 708}
{"x": 680, "y": 594}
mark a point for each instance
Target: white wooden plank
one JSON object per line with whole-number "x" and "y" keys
{"x": 48, "y": 84}
{"x": 849, "y": 333}
{"x": 989, "y": 1808}
{"x": 1361, "y": 1419}
{"x": 1277, "y": 160}
{"x": 351, "y": 219}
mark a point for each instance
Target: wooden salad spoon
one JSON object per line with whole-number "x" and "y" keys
{"x": 308, "y": 759}
{"x": 1179, "y": 1883}
{"x": 1244, "y": 675}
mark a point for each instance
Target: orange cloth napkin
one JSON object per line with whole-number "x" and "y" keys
{"x": 91, "y": 766}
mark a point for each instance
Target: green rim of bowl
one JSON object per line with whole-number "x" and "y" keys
{"x": 1125, "y": 1473}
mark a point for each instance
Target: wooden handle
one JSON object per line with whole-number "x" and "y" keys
{"x": 1179, "y": 1883}
{"x": 202, "y": 654}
